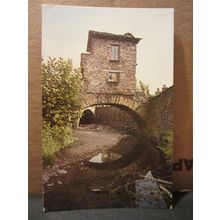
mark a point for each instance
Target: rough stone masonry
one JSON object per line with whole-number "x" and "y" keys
{"x": 109, "y": 66}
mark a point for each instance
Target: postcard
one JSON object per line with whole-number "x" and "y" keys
{"x": 107, "y": 107}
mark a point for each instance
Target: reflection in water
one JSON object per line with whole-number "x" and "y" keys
{"x": 105, "y": 157}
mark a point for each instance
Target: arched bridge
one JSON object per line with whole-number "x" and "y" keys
{"x": 152, "y": 117}
{"x": 125, "y": 103}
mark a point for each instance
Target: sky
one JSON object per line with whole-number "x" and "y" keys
{"x": 65, "y": 34}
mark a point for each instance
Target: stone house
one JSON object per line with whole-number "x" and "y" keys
{"x": 109, "y": 65}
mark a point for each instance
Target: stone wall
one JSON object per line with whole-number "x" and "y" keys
{"x": 158, "y": 115}
{"x": 97, "y": 64}
{"x": 116, "y": 118}
{"x": 153, "y": 117}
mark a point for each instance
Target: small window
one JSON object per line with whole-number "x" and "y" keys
{"x": 113, "y": 77}
{"x": 114, "y": 52}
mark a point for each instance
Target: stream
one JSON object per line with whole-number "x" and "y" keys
{"x": 88, "y": 174}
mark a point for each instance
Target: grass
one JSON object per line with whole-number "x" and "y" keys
{"x": 55, "y": 139}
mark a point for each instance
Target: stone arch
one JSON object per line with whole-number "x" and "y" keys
{"x": 125, "y": 103}
{"x": 87, "y": 117}
{"x": 106, "y": 99}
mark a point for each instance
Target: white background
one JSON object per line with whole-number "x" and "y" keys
{"x": 206, "y": 109}
{"x": 14, "y": 110}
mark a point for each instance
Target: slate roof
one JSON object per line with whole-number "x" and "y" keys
{"x": 105, "y": 35}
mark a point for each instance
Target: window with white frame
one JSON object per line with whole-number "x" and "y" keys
{"x": 115, "y": 52}
{"x": 113, "y": 77}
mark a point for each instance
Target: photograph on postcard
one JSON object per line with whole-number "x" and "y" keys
{"x": 107, "y": 98}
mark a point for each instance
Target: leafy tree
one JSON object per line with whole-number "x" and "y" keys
{"x": 60, "y": 92}
{"x": 144, "y": 88}
{"x": 60, "y": 104}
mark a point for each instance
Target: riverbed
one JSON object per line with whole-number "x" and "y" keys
{"x": 73, "y": 182}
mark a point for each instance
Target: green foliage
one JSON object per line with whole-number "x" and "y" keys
{"x": 60, "y": 108}
{"x": 166, "y": 146}
{"x": 54, "y": 139}
{"x": 143, "y": 88}
{"x": 60, "y": 92}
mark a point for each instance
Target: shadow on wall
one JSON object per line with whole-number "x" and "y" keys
{"x": 88, "y": 117}
{"x": 116, "y": 118}
{"x": 105, "y": 113}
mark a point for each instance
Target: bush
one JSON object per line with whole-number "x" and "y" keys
{"x": 60, "y": 92}
{"x": 166, "y": 146}
{"x": 54, "y": 139}
{"x": 61, "y": 105}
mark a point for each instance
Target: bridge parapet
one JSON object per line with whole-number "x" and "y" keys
{"x": 153, "y": 117}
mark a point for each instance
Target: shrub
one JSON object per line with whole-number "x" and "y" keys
{"x": 166, "y": 146}
{"x": 60, "y": 92}
{"x": 54, "y": 139}
{"x": 60, "y": 105}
